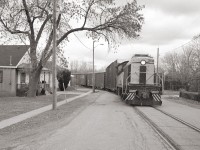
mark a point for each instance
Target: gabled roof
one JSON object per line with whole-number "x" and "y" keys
{"x": 10, "y": 55}
{"x": 28, "y": 67}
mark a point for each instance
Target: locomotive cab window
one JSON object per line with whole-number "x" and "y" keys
{"x": 142, "y": 77}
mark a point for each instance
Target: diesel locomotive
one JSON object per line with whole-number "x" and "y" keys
{"x": 136, "y": 81}
{"x": 133, "y": 80}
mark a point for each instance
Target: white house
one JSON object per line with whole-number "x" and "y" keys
{"x": 15, "y": 69}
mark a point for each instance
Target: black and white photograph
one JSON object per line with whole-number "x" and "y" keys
{"x": 99, "y": 75}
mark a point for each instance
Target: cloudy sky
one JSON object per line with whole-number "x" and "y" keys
{"x": 168, "y": 25}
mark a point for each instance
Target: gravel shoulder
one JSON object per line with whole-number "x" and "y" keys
{"x": 173, "y": 96}
{"x": 42, "y": 126}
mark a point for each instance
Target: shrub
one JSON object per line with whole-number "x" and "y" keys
{"x": 22, "y": 91}
{"x": 190, "y": 95}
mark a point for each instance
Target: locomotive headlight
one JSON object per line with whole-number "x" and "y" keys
{"x": 143, "y": 62}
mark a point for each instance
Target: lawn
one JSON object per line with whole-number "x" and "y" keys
{"x": 12, "y": 106}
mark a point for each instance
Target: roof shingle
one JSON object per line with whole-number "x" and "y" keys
{"x": 12, "y": 53}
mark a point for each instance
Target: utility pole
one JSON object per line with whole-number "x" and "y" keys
{"x": 93, "y": 75}
{"x": 157, "y": 78}
{"x": 93, "y": 80}
{"x": 54, "y": 56}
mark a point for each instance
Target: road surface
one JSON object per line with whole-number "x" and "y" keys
{"x": 107, "y": 124}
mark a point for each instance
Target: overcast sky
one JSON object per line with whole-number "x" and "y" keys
{"x": 168, "y": 24}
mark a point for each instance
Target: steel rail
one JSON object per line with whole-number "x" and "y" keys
{"x": 179, "y": 120}
{"x": 169, "y": 141}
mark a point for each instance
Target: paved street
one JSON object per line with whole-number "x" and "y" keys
{"x": 108, "y": 124}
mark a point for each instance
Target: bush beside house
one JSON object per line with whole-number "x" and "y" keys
{"x": 63, "y": 77}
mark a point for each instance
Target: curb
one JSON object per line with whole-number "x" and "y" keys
{"x": 24, "y": 116}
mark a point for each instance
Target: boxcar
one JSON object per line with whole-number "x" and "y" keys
{"x": 83, "y": 79}
{"x": 73, "y": 80}
{"x": 89, "y": 79}
{"x": 111, "y": 75}
{"x": 78, "y": 80}
{"x": 100, "y": 80}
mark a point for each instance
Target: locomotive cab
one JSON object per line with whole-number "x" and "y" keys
{"x": 138, "y": 77}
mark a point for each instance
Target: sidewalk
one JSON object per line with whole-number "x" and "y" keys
{"x": 24, "y": 116}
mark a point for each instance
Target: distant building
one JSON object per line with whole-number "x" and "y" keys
{"x": 15, "y": 68}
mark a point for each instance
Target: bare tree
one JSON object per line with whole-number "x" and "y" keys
{"x": 31, "y": 21}
{"x": 74, "y": 66}
{"x": 184, "y": 64}
{"x": 80, "y": 66}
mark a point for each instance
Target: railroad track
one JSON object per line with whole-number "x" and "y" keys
{"x": 180, "y": 120}
{"x": 173, "y": 145}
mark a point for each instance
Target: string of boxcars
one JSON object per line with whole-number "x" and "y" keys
{"x": 133, "y": 80}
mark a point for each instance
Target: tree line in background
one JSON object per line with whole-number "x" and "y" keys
{"x": 77, "y": 66}
{"x": 182, "y": 66}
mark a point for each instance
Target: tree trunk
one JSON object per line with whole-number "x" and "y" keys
{"x": 33, "y": 82}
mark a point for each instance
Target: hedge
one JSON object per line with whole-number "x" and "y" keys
{"x": 190, "y": 95}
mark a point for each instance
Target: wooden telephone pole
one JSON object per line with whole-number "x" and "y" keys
{"x": 54, "y": 57}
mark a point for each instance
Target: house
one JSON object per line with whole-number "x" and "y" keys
{"x": 15, "y": 68}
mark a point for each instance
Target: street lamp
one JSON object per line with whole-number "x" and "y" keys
{"x": 93, "y": 76}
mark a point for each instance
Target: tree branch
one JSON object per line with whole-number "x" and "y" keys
{"x": 87, "y": 12}
{"x": 42, "y": 12}
{"x": 13, "y": 31}
{"x": 42, "y": 28}
{"x": 46, "y": 53}
{"x": 29, "y": 21}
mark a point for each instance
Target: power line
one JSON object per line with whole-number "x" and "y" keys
{"x": 187, "y": 43}
{"x": 81, "y": 42}
{"x": 76, "y": 35}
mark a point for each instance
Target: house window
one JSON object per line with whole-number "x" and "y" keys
{"x": 1, "y": 76}
{"x": 23, "y": 78}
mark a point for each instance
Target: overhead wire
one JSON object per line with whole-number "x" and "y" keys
{"x": 76, "y": 35}
{"x": 187, "y": 43}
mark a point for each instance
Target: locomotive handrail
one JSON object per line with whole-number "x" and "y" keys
{"x": 136, "y": 74}
{"x": 153, "y": 75}
{"x": 158, "y": 77}
{"x": 128, "y": 78}
{"x": 149, "y": 77}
